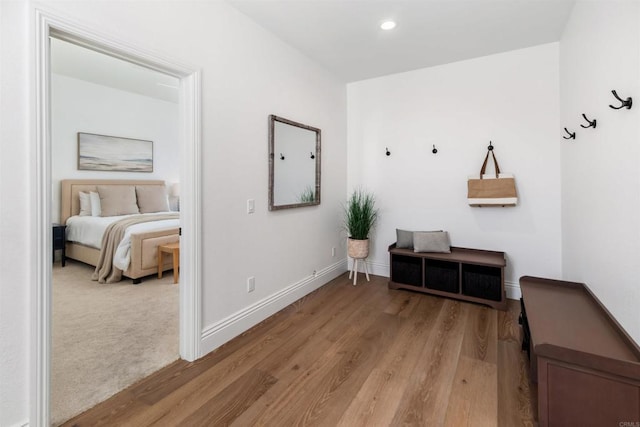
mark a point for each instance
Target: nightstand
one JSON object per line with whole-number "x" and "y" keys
{"x": 59, "y": 240}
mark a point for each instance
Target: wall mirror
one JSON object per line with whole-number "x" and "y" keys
{"x": 294, "y": 164}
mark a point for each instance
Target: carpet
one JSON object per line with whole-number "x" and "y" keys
{"x": 106, "y": 337}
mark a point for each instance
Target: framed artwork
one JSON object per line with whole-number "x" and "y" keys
{"x": 112, "y": 153}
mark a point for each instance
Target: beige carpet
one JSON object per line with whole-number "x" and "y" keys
{"x": 106, "y": 337}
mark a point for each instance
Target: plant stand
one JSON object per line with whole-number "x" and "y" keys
{"x": 358, "y": 250}
{"x": 354, "y": 269}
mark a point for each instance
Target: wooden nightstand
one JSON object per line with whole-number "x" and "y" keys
{"x": 59, "y": 241}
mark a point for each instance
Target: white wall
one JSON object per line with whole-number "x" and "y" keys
{"x": 247, "y": 74}
{"x": 15, "y": 203}
{"x": 599, "y": 52}
{"x": 510, "y": 99}
{"x": 80, "y": 106}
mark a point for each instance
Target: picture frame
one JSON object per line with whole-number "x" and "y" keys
{"x": 114, "y": 154}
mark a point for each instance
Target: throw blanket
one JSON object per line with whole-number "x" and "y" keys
{"x": 105, "y": 271}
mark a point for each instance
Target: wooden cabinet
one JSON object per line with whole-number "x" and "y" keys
{"x": 467, "y": 274}
{"x": 586, "y": 366}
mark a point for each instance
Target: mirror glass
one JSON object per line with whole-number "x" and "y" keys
{"x": 294, "y": 164}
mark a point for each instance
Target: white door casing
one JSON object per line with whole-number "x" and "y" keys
{"x": 47, "y": 25}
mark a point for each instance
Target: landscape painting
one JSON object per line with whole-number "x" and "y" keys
{"x": 111, "y": 153}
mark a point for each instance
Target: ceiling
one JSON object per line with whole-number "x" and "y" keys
{"x": 85, "y": 64}
{"x": 345, "y": 37}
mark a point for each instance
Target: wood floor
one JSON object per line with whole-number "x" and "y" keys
{"x": 346, "y": 356}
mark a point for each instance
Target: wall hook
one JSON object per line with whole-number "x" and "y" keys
{"x": 435, "y": 150}
{"x": 281, "y": 156}
{"x": 625, "y": 103}
{"x": 571, "y": 135}
{"x": 313, "y": 156}
{"x": 592, "y": 124}
{"x": 490, "y": 147}
{"x": 388, "y": 153}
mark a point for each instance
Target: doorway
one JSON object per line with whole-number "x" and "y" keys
{"x": 190, "y": 177}
{"x": 106, "y": 336}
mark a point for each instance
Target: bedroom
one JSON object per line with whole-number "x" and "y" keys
{"x": 233, "y": 128}
{"x": 92, "y": 93}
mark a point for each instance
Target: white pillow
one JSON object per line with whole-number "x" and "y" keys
{"x": 85, "y": 204}
{"x": 96, "y": 209}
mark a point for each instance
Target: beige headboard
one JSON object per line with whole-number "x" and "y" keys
{"x": 70, "y": 203}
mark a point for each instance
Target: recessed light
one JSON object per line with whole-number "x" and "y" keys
{"x": 388, "y": 25}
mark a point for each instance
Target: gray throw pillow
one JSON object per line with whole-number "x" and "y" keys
{"x": 404, "y": 239}
{"x": 431, "y": 241}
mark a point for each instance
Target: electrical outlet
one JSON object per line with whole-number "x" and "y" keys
{"x": 333, "y": 252}
{"x": 251, "y": 284}
{"x": 315, "y": 273}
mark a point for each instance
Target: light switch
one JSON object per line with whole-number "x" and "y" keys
{"x": 251, "y": 206}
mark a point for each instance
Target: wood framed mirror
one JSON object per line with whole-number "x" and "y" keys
{"x": 294, "y": 164}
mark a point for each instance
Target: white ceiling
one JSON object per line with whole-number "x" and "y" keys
{"x": 345, "y": 37}
{"x": 81, "y": 63}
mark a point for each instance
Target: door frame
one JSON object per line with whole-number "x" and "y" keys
{"x": 48, "y": 25}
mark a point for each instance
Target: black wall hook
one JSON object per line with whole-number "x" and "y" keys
{"x": 435, "y": 150}
{"x": 281, "y": 156}
{"x": 490, "y": 147}
{"x": 388, "y": 153}
{"x": 625, "y": 103}
{"x": 313, "y": 156}
{"x": 592, "y": 124}
{"x": 571, "y": 135}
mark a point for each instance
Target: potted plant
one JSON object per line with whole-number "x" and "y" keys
{"x": 360, "y": 215}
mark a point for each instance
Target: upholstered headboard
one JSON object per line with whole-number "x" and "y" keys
{"x": 70, "y": 203}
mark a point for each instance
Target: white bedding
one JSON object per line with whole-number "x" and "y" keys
{"x": 88, "y": 230}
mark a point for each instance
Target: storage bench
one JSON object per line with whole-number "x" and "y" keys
{"x": 586, "y": 366}
{"x": 473, "y": 275}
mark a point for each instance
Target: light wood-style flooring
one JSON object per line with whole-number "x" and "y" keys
{"x": 346, "y": 356}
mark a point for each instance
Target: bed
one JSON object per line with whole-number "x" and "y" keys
{"x": 143, "y": 245}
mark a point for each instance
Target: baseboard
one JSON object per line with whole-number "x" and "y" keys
{"x": 512, "y": 289}
{"x": 213, "y": 336}
{"x": 376, "y": 268}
